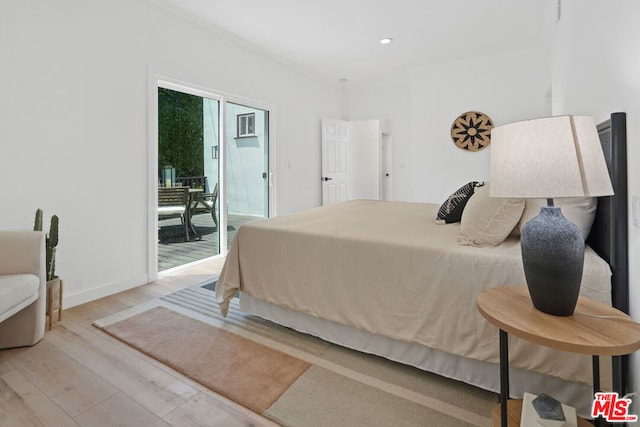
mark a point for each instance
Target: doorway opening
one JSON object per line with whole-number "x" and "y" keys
{"x": 210, "y": 178}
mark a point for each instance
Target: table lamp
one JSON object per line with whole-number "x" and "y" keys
{"x": 549, "y": 158}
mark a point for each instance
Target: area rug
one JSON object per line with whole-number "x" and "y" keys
{"x": 292, "y": 378}
{"x": 212, "y": 356}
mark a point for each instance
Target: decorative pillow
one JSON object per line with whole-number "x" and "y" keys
{"x": 579, "y": 210}
{"x": 451, "y": 210}
{"x": 488, "y": 220}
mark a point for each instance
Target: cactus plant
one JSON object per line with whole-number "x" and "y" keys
{"x": 51, "y": 242}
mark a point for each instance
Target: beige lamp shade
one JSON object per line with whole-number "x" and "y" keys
{"x": 549, "y": 157}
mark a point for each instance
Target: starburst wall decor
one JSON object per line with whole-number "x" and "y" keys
{"x": 471, "y": 131}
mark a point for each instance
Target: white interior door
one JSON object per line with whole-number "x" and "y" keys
{"x": 335, "y": 161}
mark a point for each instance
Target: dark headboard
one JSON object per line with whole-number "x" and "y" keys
{"x": 609, "y": 234}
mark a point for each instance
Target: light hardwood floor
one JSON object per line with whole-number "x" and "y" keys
{"x": 79, "y": 376}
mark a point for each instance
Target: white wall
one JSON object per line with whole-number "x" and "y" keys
{"x": 596, "y": 72}
{"x": 73, "y": 124}
{"x": 427, "y": 166}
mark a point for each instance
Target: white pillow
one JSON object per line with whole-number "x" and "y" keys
{"x": 488, "y": 220}
{"x": 579, "y": 210}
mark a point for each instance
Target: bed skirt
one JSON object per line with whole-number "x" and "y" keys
{"x": 478, "y": 373}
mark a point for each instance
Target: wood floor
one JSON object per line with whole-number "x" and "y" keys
{"x": 80, "y": 376}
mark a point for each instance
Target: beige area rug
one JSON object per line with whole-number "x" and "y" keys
{"x": 218, "y": 359}
{"x": 292, "y": 378}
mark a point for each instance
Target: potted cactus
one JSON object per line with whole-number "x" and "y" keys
{"x": 51, "y": 242}
{"x": 54, "y": 284}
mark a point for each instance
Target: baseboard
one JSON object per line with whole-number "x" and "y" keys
{"x": 89, "y": 295}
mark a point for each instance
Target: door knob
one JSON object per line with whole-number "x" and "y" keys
{"x": 325, "y": 178}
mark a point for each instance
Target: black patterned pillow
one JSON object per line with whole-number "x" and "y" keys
{"x": 451, "y": 209}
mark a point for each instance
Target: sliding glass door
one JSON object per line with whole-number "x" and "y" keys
{"x": 225, "y": 170}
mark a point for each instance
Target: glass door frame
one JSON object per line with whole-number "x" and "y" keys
{"x": 156, "y": 81}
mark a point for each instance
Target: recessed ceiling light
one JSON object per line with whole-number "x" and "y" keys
{"x": 386, "y": 40}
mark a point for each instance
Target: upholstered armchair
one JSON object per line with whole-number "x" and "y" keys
{"x": 23, "y": 285}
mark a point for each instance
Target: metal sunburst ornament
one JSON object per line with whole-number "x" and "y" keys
{"x": 471, "y": 131}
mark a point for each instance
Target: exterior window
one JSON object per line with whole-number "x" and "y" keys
{"x": 246, "y": 125}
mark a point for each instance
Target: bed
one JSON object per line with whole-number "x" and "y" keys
{"x": 383, "y": 278}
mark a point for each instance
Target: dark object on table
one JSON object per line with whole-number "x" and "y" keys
{"x": 548, "y": 408}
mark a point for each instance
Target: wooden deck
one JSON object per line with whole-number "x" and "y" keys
{"x": 174, "y": 251}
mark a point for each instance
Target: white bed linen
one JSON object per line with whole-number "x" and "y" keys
{"x": 386, "y": 268}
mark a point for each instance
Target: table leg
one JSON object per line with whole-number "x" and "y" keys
{"x": 189, "y": 226}
{"x": 60, "y": 302}
{"x": 595, "y": 366}
{"x": 596, "y": 373}
{"x": 50, "y": 306}
{"x": 504, "y": 376}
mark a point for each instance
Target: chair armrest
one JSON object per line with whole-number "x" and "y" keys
{"x": 23, "y": 252}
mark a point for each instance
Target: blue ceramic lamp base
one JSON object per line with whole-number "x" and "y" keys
{"x": 553, "y": 260}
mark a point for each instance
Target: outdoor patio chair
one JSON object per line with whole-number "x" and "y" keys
{"x": 173, "y": 203}
{"x": 206, "y": 202}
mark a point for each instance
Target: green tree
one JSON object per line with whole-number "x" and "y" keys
{"x": 180, "y": 132}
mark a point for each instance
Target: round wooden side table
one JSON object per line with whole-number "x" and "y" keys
{"x": 594, "y": 328}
